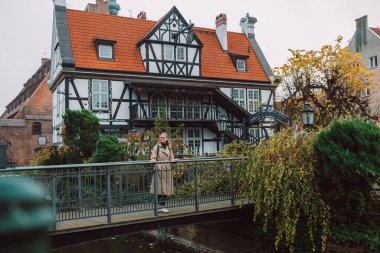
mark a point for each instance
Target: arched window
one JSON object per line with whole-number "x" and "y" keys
{"x": 193, "y": 107}
{"x": 36, "y": 128}
{"x": 158, "y": 104}
{"x": 176, "y": 103}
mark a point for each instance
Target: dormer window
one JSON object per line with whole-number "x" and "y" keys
{"x": 105, "y": 49}
{"x": 241, "y": 65}
{"x": 169, "y": 52}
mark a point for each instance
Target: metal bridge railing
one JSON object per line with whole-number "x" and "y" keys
{"x": 105, "y": 189}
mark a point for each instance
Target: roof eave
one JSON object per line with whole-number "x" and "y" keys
{"x": 167, "y": 77}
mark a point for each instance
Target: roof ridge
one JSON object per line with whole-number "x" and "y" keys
{"x": 113, "y": 16}
{"x": 143, "y": 20}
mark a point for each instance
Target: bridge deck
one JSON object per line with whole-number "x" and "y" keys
{"x": 78, "y": 224}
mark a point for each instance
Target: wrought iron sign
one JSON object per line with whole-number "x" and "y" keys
{"x": 190, "y": 34}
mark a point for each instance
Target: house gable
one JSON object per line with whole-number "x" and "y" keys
{"x": 172, "y": 23}
{"x": 171, "y": 47}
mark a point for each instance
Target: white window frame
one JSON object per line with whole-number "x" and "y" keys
{"x": 253, "y": 103}
{"x": 100, "y": 94}
{"x": 103, "y": 54}
{"x": 167, "y": 49}
{"x": 238, "y": 95}
{"x": 191, "y": 140}
{"x": 372, "y": 62}
{"x": 177, "y": 54}
{"x": 243, "y": 67}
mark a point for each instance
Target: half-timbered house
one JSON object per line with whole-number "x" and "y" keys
{"x": 128, "y": 71}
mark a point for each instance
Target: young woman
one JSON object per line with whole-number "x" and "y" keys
{"x": 162, "y": 151}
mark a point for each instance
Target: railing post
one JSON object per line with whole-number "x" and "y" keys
{"x": 54, "y": 199}
{"x": 121, "y": 189}
{"x": 196, "y": 188}
{"x": 232, "y": 184}
{"x": 155, "y": 182}
{"x": 79, "y": 190}
{"x": 108, "y": 196}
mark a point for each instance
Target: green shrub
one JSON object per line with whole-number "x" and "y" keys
{"x": 349, "y": 162}
{"x": 56, "y": 156}
{"x": 236, "y": 149}
{"x": 357, "y": 235}
{"x": 81, "y": 131}
{"x": 108, "y": 149}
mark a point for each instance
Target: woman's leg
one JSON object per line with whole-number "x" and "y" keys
{"x": 161, "y": 200}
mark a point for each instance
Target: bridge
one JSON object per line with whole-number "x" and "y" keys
{"x": 94, "y": 201}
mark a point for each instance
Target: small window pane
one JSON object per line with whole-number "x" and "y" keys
{"x": 236, "y": 94}
{"x": 373, "y": 62}
{"x": 36, "y": 128}
{"x": 250, "y": 94}
{"x": 95, "y": 86}
{"x": 169, "y": 52}
{"x": 180, "y": 53}
{"x": 105, "y": 51}
{"x": 197, "y": 133}
{"x": 99, "y": 94}
{"x": 104, "y": 87}
{"x": 241, "y": 94}
{"x": 190, "y": 133}
{"x": 104, "y": 101}
{"x": 240, "y": 65}
{"x": 250, "y": 106}
{"x": 256, "y": 94}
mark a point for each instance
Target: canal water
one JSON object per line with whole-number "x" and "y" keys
{"x": 228, "y": 237}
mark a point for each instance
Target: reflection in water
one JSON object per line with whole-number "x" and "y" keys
{"x": 225, "y": 237}
{"x": 137, "y": 243}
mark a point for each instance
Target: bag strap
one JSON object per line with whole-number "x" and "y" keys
{"x": 158, "y": 150}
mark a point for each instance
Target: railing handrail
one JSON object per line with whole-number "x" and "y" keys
{"x": 110, "y": 164}
{"x": 150, "y": 104}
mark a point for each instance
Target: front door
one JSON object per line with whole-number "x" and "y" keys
{"x": 3, "y": 156}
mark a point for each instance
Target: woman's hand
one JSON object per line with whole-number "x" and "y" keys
{"x": 153, "y": 160}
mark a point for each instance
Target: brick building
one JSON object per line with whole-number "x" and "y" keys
{"x": 25, "y": 126}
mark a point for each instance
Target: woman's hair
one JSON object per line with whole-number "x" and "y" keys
{"x": 168, "y": 143}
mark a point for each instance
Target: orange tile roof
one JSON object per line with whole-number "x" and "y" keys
{"x": 84, "y": 27}
{"x": 376, "y": 30}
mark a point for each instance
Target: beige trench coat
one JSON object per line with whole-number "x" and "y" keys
{"x": 164, "y": 175}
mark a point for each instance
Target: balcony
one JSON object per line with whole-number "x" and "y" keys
{"x": 174, "y": 112}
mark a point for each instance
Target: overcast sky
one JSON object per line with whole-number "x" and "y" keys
{"x": 26, "y": 26}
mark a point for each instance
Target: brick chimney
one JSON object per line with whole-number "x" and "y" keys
{"x": 221, "y": 30}
{"x": 248, "y": 25}
{"x": 142, "y": 15}
{"x": 101, "y": 7}
{"x": 43, "y": 61}
{"x": 361, "y": 33}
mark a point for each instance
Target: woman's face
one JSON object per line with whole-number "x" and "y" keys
{"x": 163, "y": 138}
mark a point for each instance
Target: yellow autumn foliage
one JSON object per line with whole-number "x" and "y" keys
{"x": 332, "y": 80}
